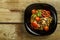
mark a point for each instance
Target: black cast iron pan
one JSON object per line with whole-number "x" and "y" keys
{"x": 28, "y": 14}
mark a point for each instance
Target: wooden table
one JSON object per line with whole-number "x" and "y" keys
{"x": 15, "y": 30}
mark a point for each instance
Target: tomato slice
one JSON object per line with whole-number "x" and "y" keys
{"x": 45, "y": 13}
{"x": 48, "y": 13}
{"x": 33, "y": 11}
{"x": 46, "y": 28}
{"x": 37, "y": 19}
{"x": 34, "y": 25}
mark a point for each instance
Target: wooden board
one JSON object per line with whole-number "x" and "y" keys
{"x": 7, "y": 16}
{"x": 24, "y": 35}
{"x": 18, "y": 31}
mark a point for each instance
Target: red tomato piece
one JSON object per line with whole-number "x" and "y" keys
{"x": 46, "y": 28}
{"x": 45, "y": 13}
{"x": 34, "y": 25}
{"x": 48, "y": 13}
{"x": 33, "y": 11}
{"x": 37, "y": 19}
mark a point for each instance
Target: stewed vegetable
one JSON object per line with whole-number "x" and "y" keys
{"x": 40, "y": 19}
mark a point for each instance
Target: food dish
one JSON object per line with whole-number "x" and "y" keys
{"x": 40, "y": 19}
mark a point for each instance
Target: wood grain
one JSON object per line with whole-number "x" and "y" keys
{"x": 8, "y": 16}
{"x": 7, "y": 32}
{"x": 21, "y": 5}
{"x": 24, "y": 35}
{"x": 18, "y": 31}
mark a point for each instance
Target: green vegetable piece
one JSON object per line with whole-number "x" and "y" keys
{"x": 34, "y": 15}
{"x": 39, "y": 13}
